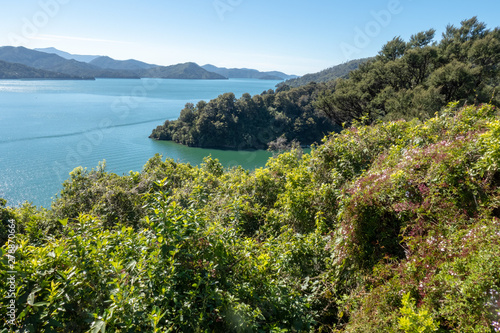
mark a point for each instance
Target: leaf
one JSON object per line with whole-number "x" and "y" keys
{"x": 99, "y": 326}
{"x": 31, "y": 299}
{"x": 64, "y": 222}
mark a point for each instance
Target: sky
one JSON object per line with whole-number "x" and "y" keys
{"x": 295, "y": 37}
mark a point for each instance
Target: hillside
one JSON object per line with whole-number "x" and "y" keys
{"x": 416, "y": 78}
{"x": 329, "y": 74}
{"x": 17, "y": 71}
{"x": 188, "y": 70}
{"x": 128, "y": 65}
{"x": 245, "y": 73}
{"x": 390, "y": 225}
{"x": 385, "y": 228}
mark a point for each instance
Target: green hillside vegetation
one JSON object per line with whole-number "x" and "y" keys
{"x": 388, "y": 227}
{"x": 250, "y": 122}
{"x": 17, "y": 71}
{"x": 329, "y": 74}
{"x": 270, "y": 77}
{"x": 392, "y": 227}
{"x": 419, "y": 77}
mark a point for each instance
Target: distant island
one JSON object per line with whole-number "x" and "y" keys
{"x": 246, "y": 73}
{"x": 51, "y": 63}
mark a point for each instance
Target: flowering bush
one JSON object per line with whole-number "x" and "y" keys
{"x": 390, "y": 227}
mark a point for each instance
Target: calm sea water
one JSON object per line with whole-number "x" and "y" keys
{"x": 47, "y": 128}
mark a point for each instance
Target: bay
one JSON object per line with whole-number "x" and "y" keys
{"x": 47, "y": 128}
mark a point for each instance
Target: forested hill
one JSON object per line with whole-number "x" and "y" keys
{"x": 188, "y": 70}
{"x": 407, "y": 79}
{"x": 17, "y": 71}
{"x": 329, "y": 74}
{"x": 416, "y": 78}
{"x": 250, "y": 122}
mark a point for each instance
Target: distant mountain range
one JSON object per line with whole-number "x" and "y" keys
{"x": 101, "y": 67}
{"x": 325, "y": 75}
{"x": 57, "y": 64}
{"x": 245, "y": 73}
{"x": 66, "y": 55}
{"x": 54, "y": 63}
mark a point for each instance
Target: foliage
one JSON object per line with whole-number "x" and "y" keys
{"x": 414, "y": 321}
{"x": 249, "y": 122}
{"x": 419, "y": 77}
{"x": 6, "y": 214}
{"x": 339, "y": 239}
{"x": 383, "y": 228}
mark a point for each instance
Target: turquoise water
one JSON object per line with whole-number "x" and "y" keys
{"x": 47, "y": 128}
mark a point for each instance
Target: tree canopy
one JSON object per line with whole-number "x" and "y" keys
{"x": 419, "y": 77}
{"x": 250, "y": 122}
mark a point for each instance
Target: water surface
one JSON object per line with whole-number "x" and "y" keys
{"x": 47, "y": 128}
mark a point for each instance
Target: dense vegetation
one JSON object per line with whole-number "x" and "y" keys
{"x": 419, "y": 77}
{"x": 250, "y": 122}
{"x": 388, "y": 227}
{"x": 329, "y": 74}
{"x": 392, "y": 227}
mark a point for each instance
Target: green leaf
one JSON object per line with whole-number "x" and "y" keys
{"x": 64, "y": 222}
{"x": 99, "y": 326}
{"x": 31, "y": 299}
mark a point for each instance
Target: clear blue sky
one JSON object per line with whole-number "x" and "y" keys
{"x": 296, "y": 37}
